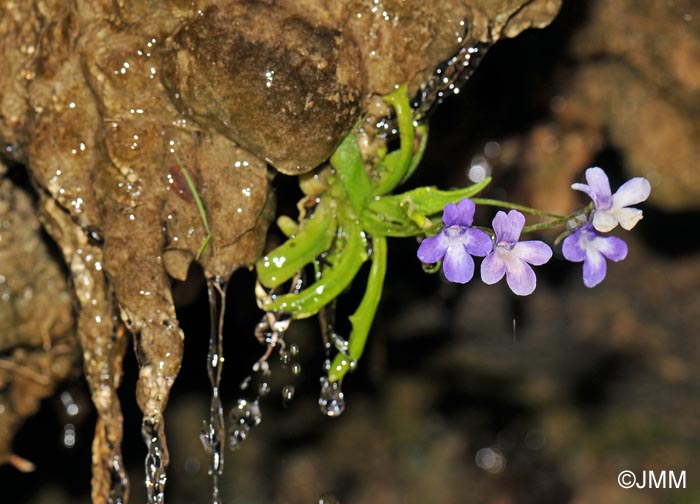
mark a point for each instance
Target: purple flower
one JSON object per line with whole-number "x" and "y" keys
{"x": 457, "y": 242}
{"x": 588, "y": 245}
{"x": 513, "y": 258}
{"x": 611, "y": 209}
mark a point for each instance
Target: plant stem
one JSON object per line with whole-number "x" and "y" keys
{"x": 556, "y": 219}
{"x": 560, "y": 220}
{"x": 513, "y": 206}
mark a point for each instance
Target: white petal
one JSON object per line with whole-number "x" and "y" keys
{"x": 627, "y": 217}
{"x": 632, "y": 192}
{"x": 604, "y": 221}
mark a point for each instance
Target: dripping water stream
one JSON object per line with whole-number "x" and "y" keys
{"x": 213, "y": 434}
{"x": 156, "y": 461}
{"x": 118, "y": 487}
{"x": 448, "y": 79}
{"x": 331, "y": 400}
{"x": 246, "y": 415}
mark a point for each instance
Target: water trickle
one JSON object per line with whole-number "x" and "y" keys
{"x": 244, "y": 416}
{"x": 331, "y": 400}
{"x": 118, "y": 487}
{"x": 156, "y": 462}
{"x": 213, "y": 433}
{"x": 449, "y": 78}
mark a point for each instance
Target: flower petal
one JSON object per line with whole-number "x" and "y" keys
{"x": 604, "y": 221}
{"x": 583, "y": 188}
{"x": 508, "y": 226}
{"x": 461, "y": 214}
{"x": 433, "y": 248}
{"x": 520, "y": 277}
{"x": 598, "y": 188}
{"x": 627, "y": 217}
{"x": 492, "y": 268}
{"x": 477, "y": 242}
{"x": 632, "y": 192}
{"x": 594, "y": 268}
{"x": 572, "y": 249}
{"x": 533, "y": 251}
{"x": 458, "y": 265}
{"x": 612, "y": 247}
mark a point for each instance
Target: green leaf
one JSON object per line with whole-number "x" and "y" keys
{"x": 395, "y": 166}
{"x": 333, "y": 281}
{"x": 314, "y": 236}
{"x": 350, "y": 170}
{"x": 363, "y": 317}
{"x": 392, "y": 215}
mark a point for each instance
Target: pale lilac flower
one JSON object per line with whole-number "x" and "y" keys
{"x": 611, "y": 209}
{"x": 457, "y": 242}
{"x": 588, "y": 245}
{"x": 511, "y": 257}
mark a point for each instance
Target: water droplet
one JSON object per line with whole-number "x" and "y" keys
{"x": 331, "y": 400}
{"x": 296, "y": 369}
{"x": 328, "y": 499}
{"x": 191, "y": 465}
{"x": 479, "y": 169}
{"x": 490, "y": 460}
{"x": 288, "y": 392}
{"x": 244, "y": 416}
{"x": 69, "y": 404}
{"x": 284, "y": 357}
{"x": 492, "y": 149}
{"x": 535, "y": 440}
{"x": 294, "y": 350}
{"x": 69, "y": 436}
{"x": 264, "y": 388}
{"x": 340, "y": 343}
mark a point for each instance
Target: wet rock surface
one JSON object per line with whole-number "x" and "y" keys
{"x": 263, "y": 77}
